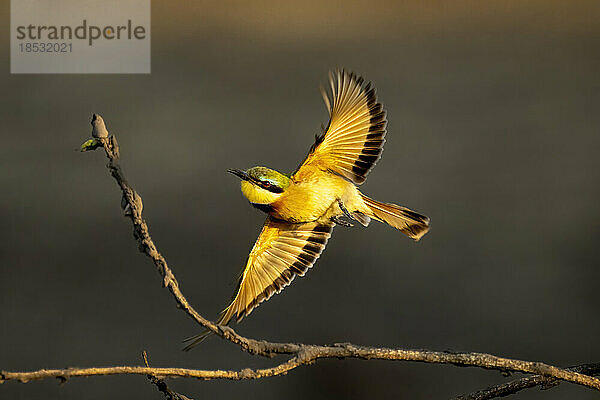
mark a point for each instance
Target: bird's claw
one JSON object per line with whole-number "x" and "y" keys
{"x": 345, "y": 210}
{"x": 340, "y": 221}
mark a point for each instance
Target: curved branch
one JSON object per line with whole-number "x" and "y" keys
{"x": 302, "y": 353}
{"x": 132, "y": 204}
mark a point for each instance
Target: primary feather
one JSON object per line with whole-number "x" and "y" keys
{"x": 282, "y": 251}
{"x": 354, "y": 138}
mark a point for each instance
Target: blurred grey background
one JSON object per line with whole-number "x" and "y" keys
{"x": 493, "y": 133}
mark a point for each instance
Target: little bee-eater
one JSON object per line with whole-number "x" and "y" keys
{"x": 304, "y": 207}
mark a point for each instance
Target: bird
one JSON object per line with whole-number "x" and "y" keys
{"x": 303, "y": 207}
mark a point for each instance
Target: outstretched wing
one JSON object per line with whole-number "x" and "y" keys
{"x": 282, "y": 251}
{"x": 354, "y": 138}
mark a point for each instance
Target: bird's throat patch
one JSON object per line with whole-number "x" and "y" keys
{"x": 263, "y": 207}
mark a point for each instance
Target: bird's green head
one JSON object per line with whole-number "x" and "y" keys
{"x": 262, "y": 185}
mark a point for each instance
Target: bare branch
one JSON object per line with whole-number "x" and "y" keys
{"x": 302, "y": 353}
{"x": 528, "y": 382}
{"x": 309, "y": 353}
{"x": 161, "y": 385}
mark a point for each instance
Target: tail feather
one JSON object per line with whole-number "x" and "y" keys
{"x": 411, "y": 223}
{"x": 195, "y": 340}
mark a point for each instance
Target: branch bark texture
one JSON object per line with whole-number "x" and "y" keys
{"x": 528, "y": 382}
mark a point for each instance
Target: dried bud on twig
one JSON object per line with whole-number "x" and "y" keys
{"x": 98, "y": 128}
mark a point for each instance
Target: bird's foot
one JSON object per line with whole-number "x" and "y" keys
{"x": 340, "y": 221}
{"x": 345, "y": 210}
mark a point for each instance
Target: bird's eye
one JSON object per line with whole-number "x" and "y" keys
{"x": 266, "y": 184}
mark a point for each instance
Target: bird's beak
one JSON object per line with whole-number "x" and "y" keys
{"x": 239, "y": 173}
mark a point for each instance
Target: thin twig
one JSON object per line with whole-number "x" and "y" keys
{"x": 161, "y": 385}
{"x": 527, "y": 382}
{"x": 302, "y": 353}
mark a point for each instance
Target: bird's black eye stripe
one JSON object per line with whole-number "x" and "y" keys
{"x": 270, "y": 187}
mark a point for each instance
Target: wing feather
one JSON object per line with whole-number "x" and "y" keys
{"x": 354, "y": 138}
{"x": 282, "y": 251}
